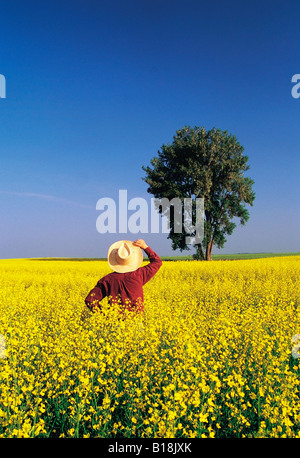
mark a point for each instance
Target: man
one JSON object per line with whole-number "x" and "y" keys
{"x": 124, "y": 286}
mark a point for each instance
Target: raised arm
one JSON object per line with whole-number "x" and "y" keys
{"x": 150, "y": 269}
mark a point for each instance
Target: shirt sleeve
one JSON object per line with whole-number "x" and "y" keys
{"x": 95, "y": 295}
{"x": 150, "y": 269}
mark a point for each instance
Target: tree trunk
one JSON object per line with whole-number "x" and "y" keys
{"x": 209, "y": 248}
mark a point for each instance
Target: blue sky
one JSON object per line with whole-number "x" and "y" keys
{"x": 94, "y": 88}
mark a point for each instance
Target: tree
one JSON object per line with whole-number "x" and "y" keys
{"x": 208, "y": 164}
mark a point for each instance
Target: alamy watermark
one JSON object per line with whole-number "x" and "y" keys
{"x": 296, "y": 348}
{"x": 2, "y": 346}
{"x": 296, "y": 88}
{"x": 2, "y": 87}
{"x": 145, "y": 220}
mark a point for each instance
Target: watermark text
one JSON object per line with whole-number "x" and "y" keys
{"x": 2, "y": 346}
{"x": 135, "y": 216}
{"x": 2, "y": 87}
{"x": 296, "y": 87}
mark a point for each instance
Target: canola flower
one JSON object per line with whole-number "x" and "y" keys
{"x": 210, "y": 357}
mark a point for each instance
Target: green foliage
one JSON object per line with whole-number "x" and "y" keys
{"x": 208, "y": 164}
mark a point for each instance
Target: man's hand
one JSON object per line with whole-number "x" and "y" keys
{"x": 140, "y": 243}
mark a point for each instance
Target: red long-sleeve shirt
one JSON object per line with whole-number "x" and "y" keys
{"x": 127, "y": 288}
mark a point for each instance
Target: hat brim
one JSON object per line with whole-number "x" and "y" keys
{"x": 135, "y": 262}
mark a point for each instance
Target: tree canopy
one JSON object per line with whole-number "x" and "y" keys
{"x": 207, "y": 164}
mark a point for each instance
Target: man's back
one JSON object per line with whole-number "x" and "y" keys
{"x": 127, "y": 287}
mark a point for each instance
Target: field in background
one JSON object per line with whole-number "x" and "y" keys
{"x": 211, "y": 356}
{"x": 216, "y": 257}
{"x": 232, "y": 257}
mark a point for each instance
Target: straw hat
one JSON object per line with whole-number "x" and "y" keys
{"x": 123, "y": 256}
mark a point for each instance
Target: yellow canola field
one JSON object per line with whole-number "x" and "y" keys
{"x": 210, "y": 357}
